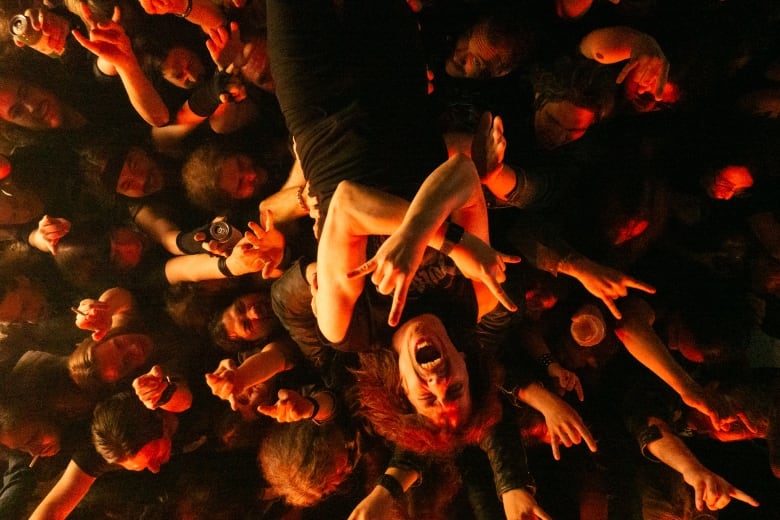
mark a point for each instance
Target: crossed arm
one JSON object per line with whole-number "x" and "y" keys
{"x": 451, "y": 191}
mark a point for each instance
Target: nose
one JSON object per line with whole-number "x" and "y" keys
{"x": 252, "y": 313}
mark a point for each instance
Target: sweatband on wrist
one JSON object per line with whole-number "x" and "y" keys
{"x": 223, "y": 267}
{"x": 186, "y": 242}
{"x": 316, "y": 405}
{"x": 205, "y": 97}
{"x": 187, "y": 11}
{"x": 391, "y": 484}
{"x": 452, "y": 237}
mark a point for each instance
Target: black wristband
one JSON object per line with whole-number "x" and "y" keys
{"x": 223, "y": 267}
{"x": 167, "y": 394}
{"x": 452, "y": 236}
{"x": 316, "y": 405}
{"x": 205, "y": 98}
{"x": 186, "y": 242}
{"x": 391, "y": 484}
{"x": 187, "y": 11}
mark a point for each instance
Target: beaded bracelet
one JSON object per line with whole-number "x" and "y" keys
{"x": 452, "y": 237}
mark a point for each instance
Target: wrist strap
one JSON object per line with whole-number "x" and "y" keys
{"x": 223, "y": 267}
{"x": 452, "y": 237}
{"x": 167, "y": 394}
{"x": 187, "y": 11}
{"x": 391, "y": 484}
{"x": 316, "y": 405}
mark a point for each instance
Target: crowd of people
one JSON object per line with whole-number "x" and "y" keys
{"x": 425, "y": 259}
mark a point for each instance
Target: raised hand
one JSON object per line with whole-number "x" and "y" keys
{"x": 291, "y": 407}
{"x": 712, "y": 490}
{"x": 53, "y": 29}
{"x": 225, "y": 46}
{"x": 107, "y": 40}
{"x": 519, "y": 504}
{"x": 566, "y": 380}
{"x": 51, "y": 230}
{"x": 222, "y": 382}
{"x": 392, "y": 269}
{"x": 94, "y": 315}
{"x": 150, "y": 386}
{"x": 647, "y": 67}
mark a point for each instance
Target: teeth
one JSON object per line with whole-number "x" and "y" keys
{"x": 431, "y": 365}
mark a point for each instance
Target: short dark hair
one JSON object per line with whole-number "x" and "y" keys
{"x": 122, "y": 425}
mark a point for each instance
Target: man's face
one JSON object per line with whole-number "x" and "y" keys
{"x": 433, "y": 373}
{"x": 120, "y": 356}
{"x": 250, "y": 317}
{"x": 25, "y": 303}
{"x": 34, "y": 436}
{"x": 240, "y": 178}
{"x": 29, "y": 106}
{"x": 152, "y": 456}
{"x": 560, "y": 122}
{"x": 127, "y": 248}
{"x": 475, "y": 57}
{"x": 140, "y": 175}
{"x": 183, "y": 68}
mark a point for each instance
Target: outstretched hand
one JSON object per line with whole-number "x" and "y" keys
{"x": 648, "y": 68}
{"x": 713, "y": 491}
{"x": 291, "y": 407}
{"x": 107, "y": 40}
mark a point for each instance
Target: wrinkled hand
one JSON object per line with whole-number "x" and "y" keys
{"x": 392, "y": 269}
{"x": 378, "y": 505}
{"x": 566, "y": 380}
{"x": 291, "y": 407}
{"x": 54, "y": 31}
{"x": 713, "y": 491}
{"x": 519, "y": 504}
{"x": 225, "y": 46}
{"x": 565, "y": 426}
{"x": 51, "y": 230}
{"x": 488, "y": 146}
{"x": 607, "y": 284}
{"x": 222, "y": 383}
{"x": 150, "y": 386}
{"x": 107, "y": 40}
{"x": 648, "y": 68}
{"x": 95, "y": 316}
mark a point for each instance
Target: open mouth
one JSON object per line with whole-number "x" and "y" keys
{"x": 428, "y": 357}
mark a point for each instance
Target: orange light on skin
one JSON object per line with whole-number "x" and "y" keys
{"x": 729, "y": 182}
{"x": 5, "y": 167}
{"x": 631, "y": 229}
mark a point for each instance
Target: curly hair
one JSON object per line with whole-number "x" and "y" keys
{"x": 298, "y": 460}
{"x": 381, "y": 399}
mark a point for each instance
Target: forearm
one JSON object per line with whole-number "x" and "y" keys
{"x": 645, "y": 346}
{"x": 261, "y": 366}
{"x": 143, "y": 96}
{"x": 192, "y": 268}
{"x": 161, "y": 229}
{"x": 66, "y": 494}
{"x": 166, "y": 138}
{"x": 671, "y": 450}
{"x": 611, "y": 44}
